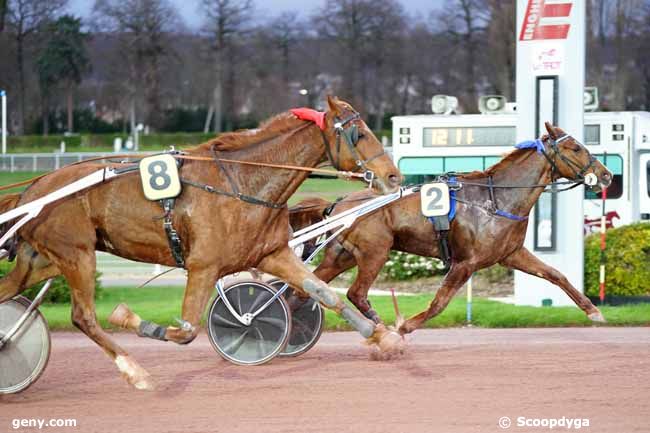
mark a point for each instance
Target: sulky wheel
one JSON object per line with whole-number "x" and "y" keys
{"x": 267, "y": 334}
{"x": 24, "y": 357}
{"x": 306, "y": 321}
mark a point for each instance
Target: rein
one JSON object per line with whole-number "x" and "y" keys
{"x": 335, "y": 173}
{"x": 539, "y": 145}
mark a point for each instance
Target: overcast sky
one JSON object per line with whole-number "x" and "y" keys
{"x": 190, "y": 10}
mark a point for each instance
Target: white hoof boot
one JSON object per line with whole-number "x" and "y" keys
{"x": 134, "y": 374}
{"x": 597, "y": 317}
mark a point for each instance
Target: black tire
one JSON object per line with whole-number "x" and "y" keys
{"x": 264, "y": 338}
{"x": 306, "y": 322}
{"x": 23, "y": 358}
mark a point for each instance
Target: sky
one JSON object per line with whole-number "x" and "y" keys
{"x": 190, "y": 9}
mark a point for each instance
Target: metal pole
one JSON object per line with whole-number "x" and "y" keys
{"x": 603, "y": 244}
{"x": 3, "y": 95}
{"x": 469, "y": 301}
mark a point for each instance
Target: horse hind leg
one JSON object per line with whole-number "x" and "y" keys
{"x": 31, "y": 268}
{"x": 80, "y": 274}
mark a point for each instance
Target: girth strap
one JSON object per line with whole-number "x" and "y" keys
{"x": 172, "y": 235}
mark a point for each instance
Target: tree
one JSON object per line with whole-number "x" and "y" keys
{"x": 226, "y": 20}
{"x": 464, "y": 21}
{"x": 3, "y": 14}
{"x": 285, "y": 31}
{"x": 501, "y": 29}
{"x": 363, "y": 31}
{"x": 63, "y": 61}
{"x": 144, "y": 27}
{"x": 26, "y": 17}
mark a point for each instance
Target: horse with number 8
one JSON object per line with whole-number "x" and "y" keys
{"x": 230, "y": 216}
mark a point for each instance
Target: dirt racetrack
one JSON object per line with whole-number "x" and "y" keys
{"x": 455, "y": 380}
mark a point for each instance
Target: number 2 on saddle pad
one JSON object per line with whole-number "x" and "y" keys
{"x": 159, "y": 175}
{"x": 434, "y": 199}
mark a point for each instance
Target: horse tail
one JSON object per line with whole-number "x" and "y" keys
{"x": 307, "y": 212}
{"x": 7, "y": 203}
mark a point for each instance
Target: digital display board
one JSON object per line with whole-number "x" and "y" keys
{"x": 592, "y": 135}
{"x": 474, "y": 136}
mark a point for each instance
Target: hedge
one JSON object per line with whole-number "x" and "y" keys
{"x": 59, "y": 292}
{"x": 100, "y": 142}
{"x": 627, "y": 268}
{"x": 402, "y": 266}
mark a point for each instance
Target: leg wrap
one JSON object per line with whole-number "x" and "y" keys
{"x": 372, "y": 315}
{"x": 327, "y": 297}
{"x": 151, "y": 330}
{"x": 360, "y": 323}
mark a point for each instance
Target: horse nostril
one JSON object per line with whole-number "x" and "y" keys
{"x": 394, "y": 180}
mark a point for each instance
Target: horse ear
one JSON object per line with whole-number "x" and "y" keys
{"x": 551, "y": 130}
{"x": 333, "y": 104}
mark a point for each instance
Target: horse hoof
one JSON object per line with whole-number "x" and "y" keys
{"x": 134, "y": 374}
{"x": 597, "y": 317}
{"x": 145, "y": 384}
{"x": 388, "y": 344}
{"x": 123, "y": 317}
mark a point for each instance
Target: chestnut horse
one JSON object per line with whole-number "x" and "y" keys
{"x": 220, "y": 234}
{"x": 478, "y": 237}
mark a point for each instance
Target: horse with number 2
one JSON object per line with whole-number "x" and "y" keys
{"x": 215, "y": 209}
{"x": 488, "y": 223}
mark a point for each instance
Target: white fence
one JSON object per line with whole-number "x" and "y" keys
{"x": 46, "y": 161}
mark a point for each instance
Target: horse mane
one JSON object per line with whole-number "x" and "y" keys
{"x": 277, "y": 125}
{"x": 508, "y": 159}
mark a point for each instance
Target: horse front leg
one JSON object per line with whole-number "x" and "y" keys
{"x": 523, "y": 260}
{"x": 458, "y": 275}
{"x": 200, "y": 285}
{"x": 287, "y": 266}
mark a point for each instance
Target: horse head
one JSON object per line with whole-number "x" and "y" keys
{"x": 350, "y": 145}
{"x": 570, "y": 159}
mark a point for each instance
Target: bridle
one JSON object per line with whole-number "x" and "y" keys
{"x": 351, "y": 136}
{"x": 579, "y": 171}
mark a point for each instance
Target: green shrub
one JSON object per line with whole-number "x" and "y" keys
{"x": 101, "y": 142}
{"x": 39, "y": 143}
{"x": 59, "y": 292}
{"x": 627, "y": 268}
{"x": 402, "y": 266}
{"x": 495, "y": 274}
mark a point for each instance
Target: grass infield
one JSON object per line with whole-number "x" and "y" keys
{"x": 163, "y": 304}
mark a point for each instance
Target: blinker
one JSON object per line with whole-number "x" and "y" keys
{"x": 591, "y": 179}
{"x": 352, "y": 134}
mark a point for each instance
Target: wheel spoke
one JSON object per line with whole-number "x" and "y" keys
{"x": 239, "y": 309}
{"x": 260, "y": 341}
{"x": 222, "y": 321}
{"x": 234, "y": 345}
{"x": 259, "y": 301}
{"x": 273, "y": 321}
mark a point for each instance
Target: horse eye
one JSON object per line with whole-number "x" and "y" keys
{"x": 361, "y": 136}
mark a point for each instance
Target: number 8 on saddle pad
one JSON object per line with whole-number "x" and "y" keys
{"x": 159, "y": 175}
{"x": 434, "y": 199}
